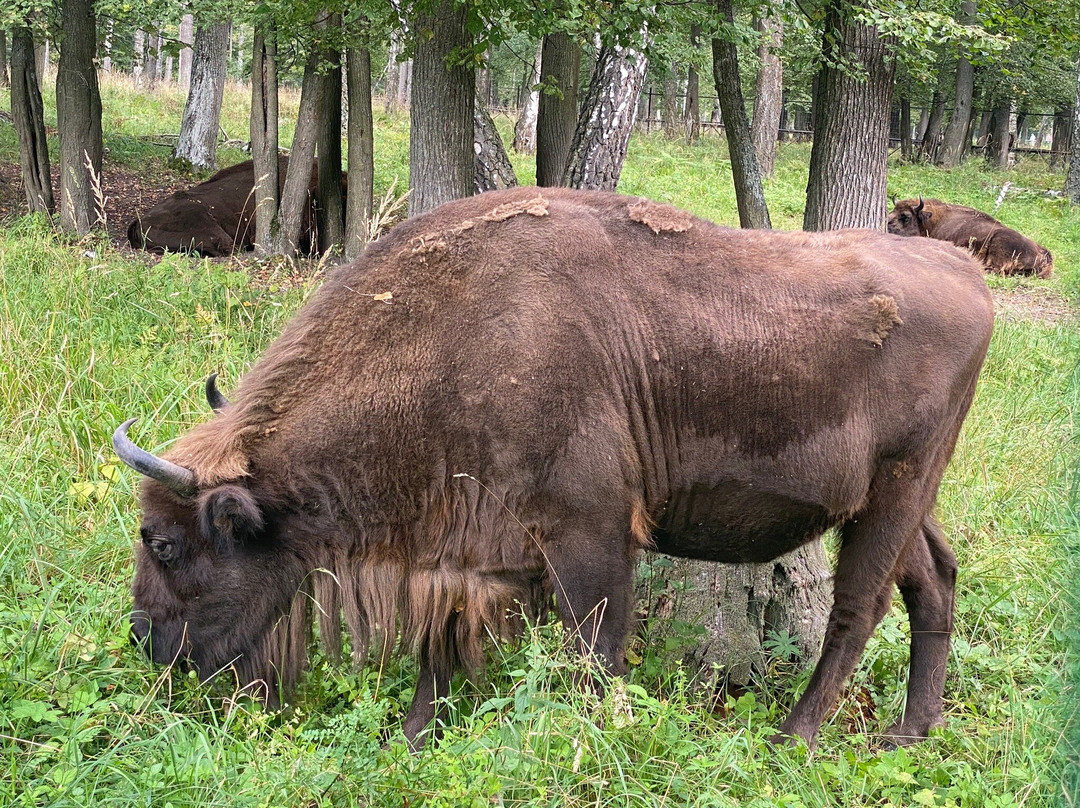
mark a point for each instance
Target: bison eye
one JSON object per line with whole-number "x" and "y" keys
{"x": 904, "y": 218}
{"x": 161, "y": 546}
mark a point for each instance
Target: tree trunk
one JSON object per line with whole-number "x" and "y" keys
{"x": 558, "y": 111}
{"x": 152, "y": 68}
{"x": 441, "y": 124}
{"x": 931, "y": 137}
{"x": 492, "y": 166}
{"x": 848, "y": 162}
{"x": 106, "y": 46}
{"x": 404, "y": 88}
{"x": 670, "y": 105}
{"x": 768, "y": 93}
{"x": 906, "y": 146}
{"x": 361, "y": 152}
{"x": 525, "y": 128}
{"x": 742, "y": 607}
{"x": 138, "y": 56}
{"x": 78, "y": 120}
{"x": 295, "y": 193}
{"x": 1072, "y": 178}
{"x": 187, "y": 37}
{"x": 956, "y": 141}
{"x": 197, "y": 144}
{"x": 4, "y": 80}
{"x": 606, "y": 120}
{"x": 28, "y": 116}
{"x": 392, "y": 73}
{"x": 753, "y": 212}
{"x": 41, "y": 60}
{"x": 264, "y": 141}
{"x": 1061, "y": 137}
{"x": 692, "y": 108}
{"x": 983, "y": 131}
{"x": 331, "y": 209}
{"x": 997, "y": 145}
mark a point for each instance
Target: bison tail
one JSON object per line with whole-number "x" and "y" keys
{"x": 135, "y": 235}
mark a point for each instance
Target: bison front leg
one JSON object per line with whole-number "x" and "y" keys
{"x": 927, "y": 580}
{"x": 427, "y": 712}
{"x": 871, "y": 547}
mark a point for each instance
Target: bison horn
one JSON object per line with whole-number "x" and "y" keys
{"x": 918, "y": 210}
{"x": 177, "y": 478}
{"x": 214, "y": 397}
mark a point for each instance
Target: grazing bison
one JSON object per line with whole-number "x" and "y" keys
{"x": 216, "y": 217}
{"x": 1001, "y": 249}
{"x": 510, "y": 397}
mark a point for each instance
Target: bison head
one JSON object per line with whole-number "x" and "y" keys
{"x": 216, "y": 582}
{"x": 909, "y": 218}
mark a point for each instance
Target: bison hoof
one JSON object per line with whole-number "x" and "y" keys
{"x": 791, "y": 740}
{"x": 903, "y": 734}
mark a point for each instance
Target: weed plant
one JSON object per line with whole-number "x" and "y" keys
{"x": 89, "y": 337}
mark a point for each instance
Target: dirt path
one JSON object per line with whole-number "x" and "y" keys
{"x": 1034, "y": 303}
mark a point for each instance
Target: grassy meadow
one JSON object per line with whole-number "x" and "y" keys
{"x": 90, "y": 335}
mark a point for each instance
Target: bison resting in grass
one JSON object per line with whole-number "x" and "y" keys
{"x": 509, "y": 397}
{"x": 216, "y": 217}
{"x": 1000, "y": 248}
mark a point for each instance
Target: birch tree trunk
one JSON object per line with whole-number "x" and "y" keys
{"x": 78, "y": 120}
{"x": 957, "y": 141}
{"x": 557, "y": 113}
{"x": 106, "y": 46}
{"x": 28, "y": 116}
{"x": 264, "y": 141}
{"x": 187, "y": 37}
{"x": 753, "y": 212}
{"x": 1072, "y": 177}
{"x": 848, "y": 162}
{"x": 138, "y": 56}
{"x": 525, "y": 128}
{"x": 692, "y": 107}
{"x": 197, "y": 144}
{"x": 768, "y": 93}
{"x": 606, "y": 120}
{"x": 358, "y": 200}
{"x": 441, "y": 124}
{"x": 492, "y": 166}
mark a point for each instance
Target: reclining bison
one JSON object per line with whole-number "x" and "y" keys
{"x": 1001, "y": 249}
{"x": 216, "y": 217}
{"x": 508, "y": 398}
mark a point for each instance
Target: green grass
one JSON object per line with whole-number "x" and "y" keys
{"x": 89, "y": 337}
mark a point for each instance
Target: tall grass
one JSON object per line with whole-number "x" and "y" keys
{"x": 89, "y": 337}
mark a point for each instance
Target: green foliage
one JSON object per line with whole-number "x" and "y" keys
{"x": 90, "y": 336}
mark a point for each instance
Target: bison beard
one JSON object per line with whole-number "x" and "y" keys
{"x": 506, "y": 399}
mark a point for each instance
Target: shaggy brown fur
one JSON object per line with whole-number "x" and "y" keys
{"x": 557, "y": 380}
{"x": 1001, "y": 249}
{"x": 215, "y": 217}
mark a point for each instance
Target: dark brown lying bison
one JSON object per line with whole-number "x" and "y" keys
{"x": 216, "y": 217}
{"x": 1001, "y": 249}
{"x": 510, "y": 397}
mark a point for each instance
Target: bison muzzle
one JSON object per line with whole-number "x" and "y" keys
{"x": 506, "y": 399}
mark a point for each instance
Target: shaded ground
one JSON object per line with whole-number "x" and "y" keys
{"x": 127, "y": 192}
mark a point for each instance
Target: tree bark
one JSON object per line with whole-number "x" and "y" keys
{"x": 106, "y": 46}
{"x": 606, "y": 120}
{"x": 152, "y": 66}
{"x": 669, "y": 109}
{"x": 768, "y": 93}
{"x": 393, "y": 72}
{"x": 997, "y": 145}
{"x": 848, "y": 162}
{"x": 138, "y": 56}
{"x": 492, "y": 166}
{"x": 358, "y": 201}
{"x": 28, "y": 116}
{"x": 753, "y": 212}
{"x": 4, "y": 80}
{"x": 78, "y": 120}
{"x": 557, "y": 116}
{"x": 264, "y": 141}
{"x": 295, "y": 193}
{"x": 187, "y": 37}
{"x": 957, "y": 141}
{"x": 1061, "y": 137}
{"x": 197, "y": 144}
{"x": 906, "y": 145}
{"x": 525, "y": 128}
{"x": 929, "y": 147}
{"x": 742, "y": 607}
{"x": 1072, "y": 177}
{"x": 331, "y": 208}
{"x": 441, "y": 124}
{"x": 692, "y": 108}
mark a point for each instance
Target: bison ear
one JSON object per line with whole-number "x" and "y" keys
{"x": 230, "y": 515}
